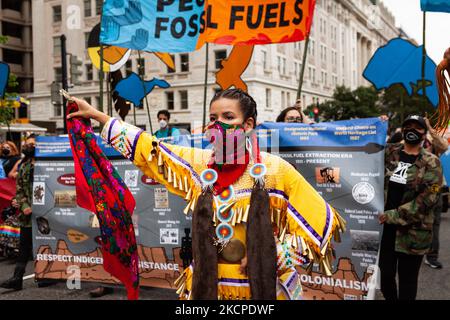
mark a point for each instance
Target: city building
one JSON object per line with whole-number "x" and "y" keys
{"x": 15, "y": 24}
{"x": 345, "y": 34}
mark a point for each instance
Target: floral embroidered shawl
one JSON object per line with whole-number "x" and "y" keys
{"x": 109, "y": 198}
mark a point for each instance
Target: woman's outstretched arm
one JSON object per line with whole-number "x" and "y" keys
{"x": 170, "y": 165}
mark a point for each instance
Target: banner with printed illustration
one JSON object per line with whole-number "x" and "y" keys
{"x": 65, "y": 235}
{"x": 185, "y": 25}
{"x": 343, "y": 160}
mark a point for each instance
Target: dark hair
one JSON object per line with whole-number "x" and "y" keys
{"x": 247, "y": 103}
{"x": 396, "y": 137}
{"x": 31, "y": 136}
{"x": 283, "y": 113}
{"x": 12, "y": 146}
{"x": 164, "y": 112}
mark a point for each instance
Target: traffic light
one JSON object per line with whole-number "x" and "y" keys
{"x": 75, "y": 72}
{"x": 54, "y": 91}
{"x": 316, "y": 114}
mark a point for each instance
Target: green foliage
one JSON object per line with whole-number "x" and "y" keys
{"x": 12, "y": 81}
{"x": 347, "y": 104}
{"x": 6, "y": 105}
{"x": 397, "y": 104}
{"x": 366, "y": 102}
{"x": 6, "y": 114}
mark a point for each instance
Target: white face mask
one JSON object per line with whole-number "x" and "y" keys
{"x": 162, "y": 124}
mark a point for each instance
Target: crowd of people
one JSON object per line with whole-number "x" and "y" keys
{"x": 415, "y": 197}
{"x": 416, "y": 194}
{"x": 19, "y": 214}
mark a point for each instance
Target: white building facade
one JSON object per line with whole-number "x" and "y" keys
{"x": 15, "y": 24}
{"x": 345, "y": 34}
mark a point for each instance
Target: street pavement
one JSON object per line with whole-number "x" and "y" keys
{"x": 433, "y": 284}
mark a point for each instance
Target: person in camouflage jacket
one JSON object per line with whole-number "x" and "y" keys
{"x": 23, "y": 201}
{"x": 413, "y": 179}
{"x": 24, "y": 186}
{"x": 415, "y": 216}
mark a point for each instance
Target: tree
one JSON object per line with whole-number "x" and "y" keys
{"x": 347, "y": 104}
{"x": 6, "y": 104}
{"x": 365, "y": 102}
{"x": 397, "y": 104}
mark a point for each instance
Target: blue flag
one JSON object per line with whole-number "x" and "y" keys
{"x": 435, "y": 5}
{"x": 400, "y": 62}
{"x": 144, "y": 25}
{"x": 4, "y": 75}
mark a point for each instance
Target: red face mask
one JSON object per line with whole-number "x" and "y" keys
{"x": 228, "y": 141}
{"x": 230, "y": 157}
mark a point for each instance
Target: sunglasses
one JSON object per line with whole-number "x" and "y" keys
{"x": 294, "y": 119}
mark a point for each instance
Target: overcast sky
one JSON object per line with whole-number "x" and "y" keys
{"x": 409, "y": 16}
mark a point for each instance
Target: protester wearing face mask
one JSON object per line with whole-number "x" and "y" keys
{"x": 251, "y": 210}
{"x": 165, "y": 130}
{"x": 413, "y": 179}
{"x": 23, "y": 201}
{"x": 10, "y": 159}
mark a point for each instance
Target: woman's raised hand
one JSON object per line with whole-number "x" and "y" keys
{"x": 85, "y": 110}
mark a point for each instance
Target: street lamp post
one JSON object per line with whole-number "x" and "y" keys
{"x": 64, "y": 75}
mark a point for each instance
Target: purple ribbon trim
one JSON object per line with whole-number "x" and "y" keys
{"x": 196, "y": 176}
{"x": 133, "y": 150}
{"x": 296, "y": 213}
{"x": 230, "y": 280}
{"x": 110, "y": 129}
{"x": 305, "y": 223}
{"x": 291, "y": 278}
{"x": 327, "y": 224}
{"x": 243, "y": 191}
{"x": 281, "y": 193}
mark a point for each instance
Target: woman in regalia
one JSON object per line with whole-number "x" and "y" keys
{"x": 255, "y": 218}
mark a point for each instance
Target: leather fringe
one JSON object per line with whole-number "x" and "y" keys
{"x": 204, "y": 283}
{"x": 261, "y": 247}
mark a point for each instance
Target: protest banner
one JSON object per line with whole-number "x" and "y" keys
{"x": 185, "y": 25}
{"x": 343, "y": 160}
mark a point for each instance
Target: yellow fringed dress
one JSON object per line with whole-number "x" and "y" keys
{"x": 305, "y": 223}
